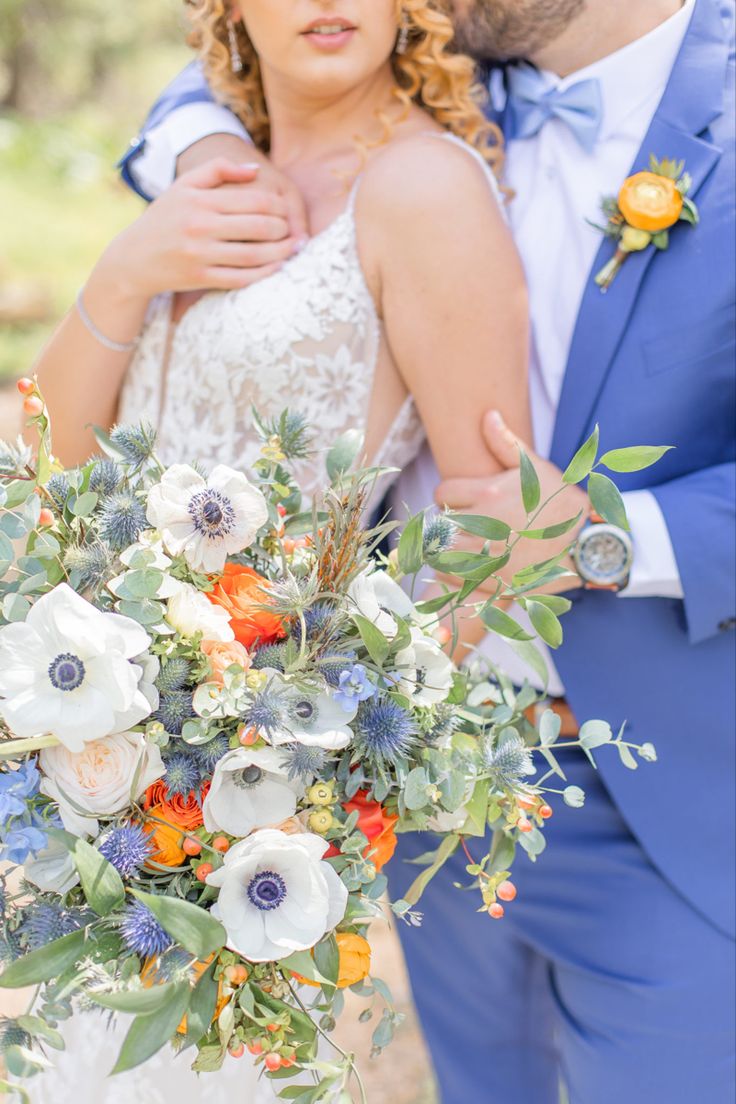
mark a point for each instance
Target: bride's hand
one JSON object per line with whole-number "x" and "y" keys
{"x": 202, "y": 233}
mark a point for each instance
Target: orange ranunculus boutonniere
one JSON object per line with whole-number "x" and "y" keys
{"x": 377, "y": 826}
{"x": 240, "y": 591}
{"x": 647, "y": 207}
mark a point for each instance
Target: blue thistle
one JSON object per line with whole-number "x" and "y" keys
{"x": 58, "y": 488}
{"x": 10, "y": 946}
{"x": 320, "y": 622}
{"x": 46, "y": 921}
{"x": 142, "y": 933}
{"x": 173, "y": 965}
{"x": 127, "y": 848}
{"x": 12, "y": 1034}
{"x": 90, "y": 562}
{"x": 333, "y": 663}
{"x": 174, "y": 708}
{"x": 383, "y": 730}
{"x": 183, "y": 774}
{"x": 136, "y": 443}
{"x": 439, "y": 534}
{"x": 445, "y": 722}
{"x": 266, "y": 711}
{"x": 508, "y": 762}
{"x": 208, "y": 755}
{"x": 122, "y": 520}
{"x": 270, "y": 655}
{"x": 105, "y": 477}
{"x": 302, "y": 762}
{"x": 174, "y": 674}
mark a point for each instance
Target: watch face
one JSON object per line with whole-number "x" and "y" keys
{"x": 604, "y": 556}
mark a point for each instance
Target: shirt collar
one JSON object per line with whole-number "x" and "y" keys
{"x": 635, "y": 74}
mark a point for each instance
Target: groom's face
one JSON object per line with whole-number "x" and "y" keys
{"x": 501, "y": 29}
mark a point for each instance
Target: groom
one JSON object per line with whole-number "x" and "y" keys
{"x": 614, "y": 968}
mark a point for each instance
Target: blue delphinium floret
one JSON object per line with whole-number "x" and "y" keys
{"x": 16, "y": 787}
{"x": 353, "y": 687}
{"x": 122, "y": 520}
{"x": 384, "y": 731}
{"x": 174, "y": 708}
{"x": 332, "y": 663}
{"x": 127, "y": 848}
{"x": 183, "y": 773}
{"x": 142, "y": 932}
{"x": 45, "y": 921}
{"x": 20, "y": 841}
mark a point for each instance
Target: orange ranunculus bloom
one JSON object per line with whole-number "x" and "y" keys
{"x": 650, "y": 202}
{"x": 166, "y": 840}
{"x": 240, "y": 591}
{"x": 222, "y": 655}
{"x": 377, "y": 826}
{"x": 184, "y": 812}
{"x": 355, "y": 961}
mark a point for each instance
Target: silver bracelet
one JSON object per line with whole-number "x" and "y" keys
{"x": 113, "y": 346}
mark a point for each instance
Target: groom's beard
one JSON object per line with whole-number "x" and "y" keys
{"x": 501, "y": 30}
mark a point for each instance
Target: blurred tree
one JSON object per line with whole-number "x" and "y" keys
{"x": 57, "y": 53}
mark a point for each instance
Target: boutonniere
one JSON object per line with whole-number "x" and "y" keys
{"x": 645, "y": 210}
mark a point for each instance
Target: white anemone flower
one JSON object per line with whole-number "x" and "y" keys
{"x": 250, "y": 789}
{"x": 425, "y": 671}
{"x": 376, "y": 597}
{"x": 206, "y": 520}
{"x": 66, "y": 671}
{"x": 277, "y": 894}
{"x": 306, "y": 716}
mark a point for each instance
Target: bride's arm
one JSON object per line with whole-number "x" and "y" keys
{"x": 453, "y": 299}
{"x": 193, "y": 237}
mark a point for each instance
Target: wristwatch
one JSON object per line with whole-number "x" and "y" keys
{"x": 603, "y": 555}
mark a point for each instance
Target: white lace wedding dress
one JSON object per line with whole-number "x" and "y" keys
{"x": 307, "y": 338}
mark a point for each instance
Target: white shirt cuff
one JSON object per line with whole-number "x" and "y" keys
{"x": 654, "y": 573}
{"x": 155, "y": 167}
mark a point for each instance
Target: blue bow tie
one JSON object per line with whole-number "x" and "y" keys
{"x": 531, "y": 104}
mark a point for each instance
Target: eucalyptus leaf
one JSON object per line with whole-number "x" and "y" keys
{"x": 343, "y": 454}
{"x": 103, "y": 887}
{"x": 191, "y": 926}
{"x": 550, "y": 725}
{"x": 375, "y": 642}
{"x": 627, "y": 757}
{"x": 595, "y": 734}
{"x": 533, "y": 658}
{"x": 634, "y": 459}
{"x": 447, "y": 848}
{"x": 136, "y": 1001}
{"x": 490, "y": 529}
{"x": 531, "y": 491}
{"x": 545, "y": 622}
{"x": 415, "y": 789}
{"x": 550, "y": 532}
{"x": 148, "y": 1033}
{"x": 7, "y": 553}
{"x": 15, "y": 607}
{"x": 327, "y": 958}
{"x": 411, "y": 546}
{"x": 582, "y": 462}
{"x": 84, "y": 504}
{"x": 606, "y": 500}
{"x": 202, "y": 1005}
{"x": 46, "y": 963}
{"x": 499, "y": 622}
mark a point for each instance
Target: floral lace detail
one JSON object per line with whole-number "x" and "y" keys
{"x": 307, "y": 338}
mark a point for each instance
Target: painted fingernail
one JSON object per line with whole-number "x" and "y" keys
{"x": 250, "y": 166}
{"x": 300, "y": 244}
{"x": 497, "y": 419}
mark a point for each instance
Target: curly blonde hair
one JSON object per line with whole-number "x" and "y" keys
{"x": 428, "y": 73}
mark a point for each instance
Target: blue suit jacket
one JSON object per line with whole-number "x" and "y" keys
{"x": 653, "y": 361}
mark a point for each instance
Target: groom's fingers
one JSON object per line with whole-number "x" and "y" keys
{"x": 250, "y": 199}
{"x": 220, "y": 171}
{"x": 251, "y": 228}
{"x": 461, "y": 494}
{"x": 504, "y": 444}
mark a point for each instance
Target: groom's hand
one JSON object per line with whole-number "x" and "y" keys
{"x": 499, "y": 496}
{"x": 253, "y": 201}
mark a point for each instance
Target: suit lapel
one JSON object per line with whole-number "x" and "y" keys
{"x": 693, "y": 98}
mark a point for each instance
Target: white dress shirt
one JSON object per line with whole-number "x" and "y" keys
{"x": 557, "y": 186}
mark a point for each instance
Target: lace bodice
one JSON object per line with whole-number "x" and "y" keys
{"x": 307, "y": 338}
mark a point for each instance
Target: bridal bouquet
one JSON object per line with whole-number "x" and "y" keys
{"x": 216, "y": 713}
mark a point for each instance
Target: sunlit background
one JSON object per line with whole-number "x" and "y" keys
{"x": 76, "y": 80}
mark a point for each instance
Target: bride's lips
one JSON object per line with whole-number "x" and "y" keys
{"x": 329, "y": 33}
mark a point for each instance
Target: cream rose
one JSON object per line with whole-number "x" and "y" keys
{"x": 189, "y": 612}
{"x": 97, "y": 781}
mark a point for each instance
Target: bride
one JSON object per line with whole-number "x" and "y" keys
{"x": 403, "y": 315}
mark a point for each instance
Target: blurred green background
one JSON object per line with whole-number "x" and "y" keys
{"x": 76, "y": 80}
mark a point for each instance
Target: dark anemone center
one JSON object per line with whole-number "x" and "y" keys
{"x": 66, "y": 672}
{"x": 304, "y": 710}
{"x": 267, "y": 891}
{"x": 248, "y": 777}
{"x": 212, "y": 513}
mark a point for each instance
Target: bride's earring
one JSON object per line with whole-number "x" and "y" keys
{"x": 236, "y": 61}
{"x": 403, "y": 40}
